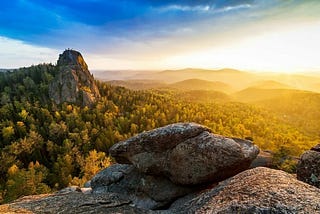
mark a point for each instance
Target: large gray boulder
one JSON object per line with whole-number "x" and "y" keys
{"x": 186, "y": 153}
{"x": 155, "y": 141}
{"x": 144, "y": 191}
{"x": 308, "y": 168}
{"x": 258, "y": 190}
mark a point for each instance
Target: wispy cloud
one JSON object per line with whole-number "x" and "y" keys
{"x": 184, "y": 8}
{"x": 233, "y": 8}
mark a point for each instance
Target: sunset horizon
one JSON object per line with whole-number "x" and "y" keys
{"x": 248, "y": 35}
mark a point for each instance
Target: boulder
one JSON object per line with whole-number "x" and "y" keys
{"x": 308, "y": 168}
{"x": 155, "y": 141}
{"x": 144, "y": 191}
{"x": 258, "y": 190}
{"x": 186, "y": 153}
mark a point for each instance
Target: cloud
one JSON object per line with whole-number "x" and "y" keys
{"x": 16, "y": 54}
{"x": 184, "y": 8}
{"x": 134, "y": 29}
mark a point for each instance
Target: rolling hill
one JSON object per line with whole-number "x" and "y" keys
{"x": 270, "y": 84}
{"x": 197, "y": 84}
{"x": 301, "y": 109}
{"x": 252, "y": 95}
{"x": 138, "y": 84}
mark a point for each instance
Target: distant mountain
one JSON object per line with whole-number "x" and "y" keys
{"x": 252, "y": 94}
{"x": 270, "y": 84}
{"x": 199, "y": 70}
{"x": 297, "y": 81}
{"x": 138, "y": 84}
{"x": 236, "y": 79}
{"x": 197, "y": 84}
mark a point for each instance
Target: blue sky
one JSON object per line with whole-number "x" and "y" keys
{"x": 256, "y": 35}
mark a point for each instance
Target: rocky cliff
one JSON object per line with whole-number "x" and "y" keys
{"x": 73, "y": 83}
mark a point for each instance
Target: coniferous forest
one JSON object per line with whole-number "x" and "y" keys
{"x": 45, "y": 147}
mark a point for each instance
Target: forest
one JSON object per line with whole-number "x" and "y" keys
{"x": 45, "y": 147}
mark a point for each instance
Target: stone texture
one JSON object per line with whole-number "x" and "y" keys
{"x": 258, "y": 190}
{"x": 186, "y": 153}
{"x": 144, "y": 191}
{"x": 155, "y": 141}
{"x": 73, "y": 82}
{"x": 308, "y": 168}
{"x": 264, "y": 158}
{"x": 316, "y": 148}
{"x": 72, "y": 202}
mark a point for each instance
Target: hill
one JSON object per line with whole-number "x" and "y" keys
{"x": 299, "y": 109}
{"x": 197, "y": 84}
{"x": 236, "y": 79}
{"x": 270, "y": 84}
{"x": 253, "y": 94}
{"x": 138, "y": 84}
{"x": 296, "y": 107}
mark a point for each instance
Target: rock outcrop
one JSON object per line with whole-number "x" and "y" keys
{"x": 308, "y": 168}
{"x": 186, "y": 153}
{"x": 145, "y": 191}
{"x": 258, "y": 190}
{"x": 73, "y": 83}
{"x": 73, "y": 202}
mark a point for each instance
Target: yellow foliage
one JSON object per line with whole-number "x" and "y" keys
{"x": 13, "y": 170}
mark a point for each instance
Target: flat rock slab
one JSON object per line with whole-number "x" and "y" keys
{"x": 73, "y": 202}
{"x": 186, "y": 153}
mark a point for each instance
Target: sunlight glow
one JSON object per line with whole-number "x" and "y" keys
{"x": 293, "y": 50}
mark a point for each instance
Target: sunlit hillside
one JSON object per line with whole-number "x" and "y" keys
{"x": 270, "y": 84}
{"x": 237, "y": 80}
{"x": 197, "y": 84}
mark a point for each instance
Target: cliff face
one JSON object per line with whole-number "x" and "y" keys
{"x": 73, "y": 83}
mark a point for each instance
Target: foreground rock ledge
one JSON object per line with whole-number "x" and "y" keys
{"x": 72, "y": 202}
{"x": 186, "y": 153}
{"x": 259, "y": 190}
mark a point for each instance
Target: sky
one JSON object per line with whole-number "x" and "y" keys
{"x": 252, "y": 35}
